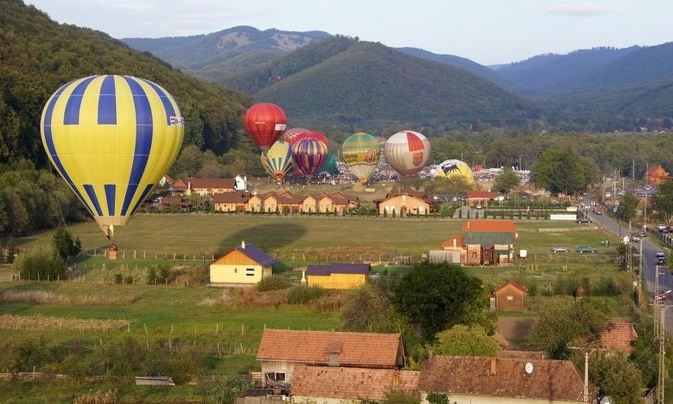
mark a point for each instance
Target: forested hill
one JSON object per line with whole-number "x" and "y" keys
{"x": 38, "y": 56}
{"x": 365, "y": 85}
{"x": 230, "y": 51}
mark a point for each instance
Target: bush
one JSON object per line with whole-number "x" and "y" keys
{"x": 41, "y": 264}
{"x": 118, "y": 279}
{"x": 272, "y": 283}
{"x": 304, "y": 294}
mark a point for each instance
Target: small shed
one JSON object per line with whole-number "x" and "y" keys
{"x": 338, "y": 276}
{"x": 510, "y": 296}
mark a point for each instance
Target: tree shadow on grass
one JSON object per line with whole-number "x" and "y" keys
{"x": 266, "y": 237}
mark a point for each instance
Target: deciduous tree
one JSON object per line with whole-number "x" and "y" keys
{"x": 466, "y": 340}
{"x": 435, "y": 297}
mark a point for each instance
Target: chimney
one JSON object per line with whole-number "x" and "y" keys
{"x": 494, "y": 367}
{"x": 454, "y": 242}
{"x": 243, "y": 245}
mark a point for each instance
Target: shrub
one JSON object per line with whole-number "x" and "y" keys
{"x": 41, "y": 264}
{"x": 272, "y": 283}
{"x": 118, "y": 279}
{"x": 304, "y": 294}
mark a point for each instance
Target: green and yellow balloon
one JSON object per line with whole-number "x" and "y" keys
{"x": 361, "y": 153}
{"x": 112, "y": 138}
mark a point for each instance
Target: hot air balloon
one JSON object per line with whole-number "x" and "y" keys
{"x": 312, "y": 135}
{"x": 277, "y": 161}
{"x": 407, "y": 152}
{"x": 453, "y": 168}
{"x": 330, "y": 166}
{"x": 291, "y": 134}
{"x": 265, "y": 122}
{"x": 309, "y": 155}
{"x": 112, "y": 138}
{"x": 361, "y": 153}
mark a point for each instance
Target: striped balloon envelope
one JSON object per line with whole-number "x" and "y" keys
{"x": 112, "y": 138}
{"x": 277, "y": 161}
{"x": 309, "y": 155}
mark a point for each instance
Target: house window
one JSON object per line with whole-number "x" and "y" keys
{"x": 235, "y": 270}
{"x": 276, "y": 376}
{"x": 250, "y": 272}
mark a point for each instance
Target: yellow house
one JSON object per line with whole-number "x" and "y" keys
{"x": 406, "y": 202}
{"x": 338, "y": 276}
{"x": 243, "y": 266}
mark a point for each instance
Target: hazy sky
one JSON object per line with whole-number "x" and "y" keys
{"x": 485, "y": 31}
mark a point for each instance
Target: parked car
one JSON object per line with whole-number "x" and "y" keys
{"x": 585, "y": 249}
{"x": 559, "y": 249}
{"x": 583, "y": 220}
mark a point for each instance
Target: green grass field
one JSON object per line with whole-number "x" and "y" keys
{"x": 228, "y": 324}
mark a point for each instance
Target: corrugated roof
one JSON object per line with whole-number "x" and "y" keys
{"x": 502, "y": 377}
{"x": 338, "y": 268}
{"x": 310, "y": 347}
{"x": 259, "y": 256}
{"x": 351, "y": 383}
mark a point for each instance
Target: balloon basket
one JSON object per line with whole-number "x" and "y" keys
{"x": 112, "y": 253}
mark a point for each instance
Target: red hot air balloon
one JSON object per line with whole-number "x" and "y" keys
{"x": 265, "y": 122}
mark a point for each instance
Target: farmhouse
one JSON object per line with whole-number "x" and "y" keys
{"x": 206, "y": 186}
{"x": 489, "y": 242}
{"x": 480, "y": 198}
{"x": 282, "y": 352}
{"x": 405, "y": 202}
{"x": 336, "y": 385}
{"x": 338, "y": 276}
{"x": 245, "y": 265}
{"x": 485, "y": 380}
{"x": 231, "y": 201}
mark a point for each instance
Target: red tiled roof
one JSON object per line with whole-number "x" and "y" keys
{"x": 231, "y": 197}
{"x": 351, "y": 383}
{"x": 619, "y": 336}
{"x": 450, "y": 242}
{"x": 310, "y": 347}
{"x": 491, "y": 226}
{"x": 481, "y": 195}
{"x": 546, "y": 379}
{"x": 517, "y": 285}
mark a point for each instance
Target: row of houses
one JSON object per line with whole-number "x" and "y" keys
{"x": 336, "y": 367}
{"x": 231, "y": 195}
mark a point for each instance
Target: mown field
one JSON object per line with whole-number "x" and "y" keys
{"x": 225, "y": 326}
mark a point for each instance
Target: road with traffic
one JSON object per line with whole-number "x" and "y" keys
{"x": 647, "y": 260}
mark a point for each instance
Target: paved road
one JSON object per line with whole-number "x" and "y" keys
{"x": 649, "y": 248}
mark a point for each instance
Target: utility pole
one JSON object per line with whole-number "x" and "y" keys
{"x": 640, "y": 271}
{"x": 587, "y": 352}
{"x": 662, "y": 352}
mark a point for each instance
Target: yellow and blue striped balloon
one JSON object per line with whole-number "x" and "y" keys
{"x": 112, "y": 138}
